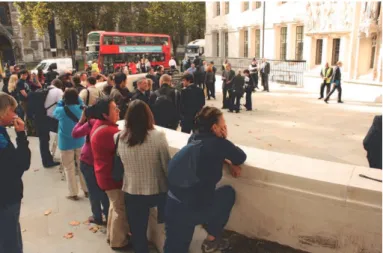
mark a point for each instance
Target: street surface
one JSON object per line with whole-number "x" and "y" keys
{"x": 289, "y": 120}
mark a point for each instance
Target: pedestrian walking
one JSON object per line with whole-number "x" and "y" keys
{"x": 336, "y": 81}
{"x": 227, "y": 83}
{"x": 210, "y": 82}
{"x": 326, "y": 74}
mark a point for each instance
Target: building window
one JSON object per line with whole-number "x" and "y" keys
{"x": 373, "y": 49}
{"x": 318, "y": 54}
{"x": 246, "y": 44}
{"x": 283, "y": 2}
{"x": 227, "y": 7}
{"x": 258, "y": 5}
{"x": 226, "y": 44}
{"x": 257, "y": 43}
{"x": 245, "y": 6}
{"x": 299, "y": 43}
{"x": 335, "y": 51}
{"x": 217, "y": 45}
{"x": 283, "y": 42}
{"x": 218, "y": 8}
{"x": 5, "y": 17}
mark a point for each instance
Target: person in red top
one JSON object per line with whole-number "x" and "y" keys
{"x": 103, "y": 147}
{"x": 133, "y": 67}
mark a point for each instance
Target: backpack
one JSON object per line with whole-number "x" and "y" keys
{"x": 182, "y": 168}
{"x": 36, "y": 103}
{"x": 164, "y": 103}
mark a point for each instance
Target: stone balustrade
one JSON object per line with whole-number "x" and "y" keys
{"x": 305, "y": 203}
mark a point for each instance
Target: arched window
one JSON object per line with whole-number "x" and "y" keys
{"x": 5, "y": 16}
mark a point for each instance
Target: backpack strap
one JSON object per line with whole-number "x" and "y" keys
{"x": 70, "y": 114}
{"x": 117, "y": 141}
{"x": 55, "y": 103}
{"x": 87, "y": 97}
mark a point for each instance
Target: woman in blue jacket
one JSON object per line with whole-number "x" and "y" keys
{"x": 68, "y": 112}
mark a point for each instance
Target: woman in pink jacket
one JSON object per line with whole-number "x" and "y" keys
{"x": 99, "y": 201}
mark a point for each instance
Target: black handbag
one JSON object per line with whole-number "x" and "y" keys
{"x": 118, "y": 166}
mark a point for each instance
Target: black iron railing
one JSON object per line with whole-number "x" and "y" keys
{"x": 281, "y": 71}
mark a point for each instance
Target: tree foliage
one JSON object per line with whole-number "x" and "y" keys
{"x": 174, "y": 18}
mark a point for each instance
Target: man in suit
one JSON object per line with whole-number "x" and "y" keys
{"x": 227, "y": 82}
{"x": 192, "y": 101}
{"x": 373, "y": 143}
{"x": 265, "y": 71}
{"x": 336, "y": 78}
{"x": 326, "y": 74}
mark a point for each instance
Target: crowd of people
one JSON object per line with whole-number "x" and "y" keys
{"x": 123, "y": 173}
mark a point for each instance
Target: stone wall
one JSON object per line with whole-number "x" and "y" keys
{"x": 308, "y": 204}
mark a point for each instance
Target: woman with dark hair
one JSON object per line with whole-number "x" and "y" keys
{"x": 203, "y": 203}
{"x": 120, "y": 94}
{"x": 67, "y": 112}
{"x": 144, "y": 152}
{"x": 41, "y": 77}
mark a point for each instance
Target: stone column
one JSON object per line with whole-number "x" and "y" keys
{"x": 308, "y": 49}
{"x": 326, "y": 50}
{"x": 353, "y": 52}
{"x": 250, "y": 41}
{"x": 343, "y": 52}
{"x": 291, "y": 34}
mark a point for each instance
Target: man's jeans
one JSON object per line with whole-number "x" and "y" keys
{"x": 180, "y": 220}
{"x": 10, "y": 233}
{"x": 97, "y": 197}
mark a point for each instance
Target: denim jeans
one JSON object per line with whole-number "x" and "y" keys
{"x": 10, "y": 233}
{"x": 99, "y": 201}
{"x": 180, "y": 220}
{"x": 137, "y": 211}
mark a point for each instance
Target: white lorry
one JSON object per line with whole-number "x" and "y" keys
{"x": 194, "y": 48}
{"x": 59, "y": 64}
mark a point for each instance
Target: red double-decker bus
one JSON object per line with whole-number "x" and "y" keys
{"x": 113, "y": 49}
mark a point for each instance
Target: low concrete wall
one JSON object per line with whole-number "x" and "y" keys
{"x": 305, "y": 203}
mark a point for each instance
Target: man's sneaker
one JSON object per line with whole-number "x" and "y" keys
{"x": 213, "y": 246}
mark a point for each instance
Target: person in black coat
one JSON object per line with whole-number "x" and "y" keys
{"x": 14, "y": 162}
{"x": 249, "y": 87}
{"x": 192, "y": 101}
{"x": 199, "y": 77}
{"x": 227, "y": 83}
{"x": 165, "y": 104}
{"x": 265, "y": 71}
{"x": 141, "y": 93}
{"x": 236, "y": 92}
{"x": 153, "y": 77}
{"x": 253, "y": 68}
{"x": 336, "y": 80}
{"x": 373, "y": 143}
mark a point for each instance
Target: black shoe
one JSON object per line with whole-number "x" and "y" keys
{"x": 223, "y": 107}
{"x": 51, "y": 165}
{"x": 320, "y": 98}
{"x": 326, "y": 101}
{"x": 230, "y": 110}
{"x": 237, "y": 111}
{"x": 340, "y": 102}
{"x": 249, "y": 109}
{"x": 124, "y": 248}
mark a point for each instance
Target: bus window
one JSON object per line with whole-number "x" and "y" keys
{"x": 164, "y": 41}
{"x": 90, "y": 56}
{"x": 156, "y": 57}
{"x": 93, "y": 39}
{"x": 131, "y": 40}
{"x": 118, "y": 40}
{"x": 108, "y": 40}
{"x": 149, "y": 40}
{"x": 140, "y": 40}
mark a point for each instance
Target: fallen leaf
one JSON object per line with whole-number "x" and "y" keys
{"x": 68, "y": 235}
{"x": 23, "y": 230}
{"x": 289, "y": 140}
{"x": 236, "y": 125}
{"x": 94, "y": 229}
{"x": 86, "y": 222}
{"x": 250, "y": 132}
{"x": 258, "y": 138}
{"x": 36, "y": 170}
{"x": 74, "y": 223}
{"x": 270, "y": 145}
{"x": 47, "y": 212}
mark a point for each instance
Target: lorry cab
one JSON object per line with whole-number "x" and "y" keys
{"x": 58, "y": 64}
{"x": 195, "y": 48}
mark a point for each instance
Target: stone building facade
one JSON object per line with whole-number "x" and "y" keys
{"x": 22, "y": 44}
{"x": 316, "y": 32}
